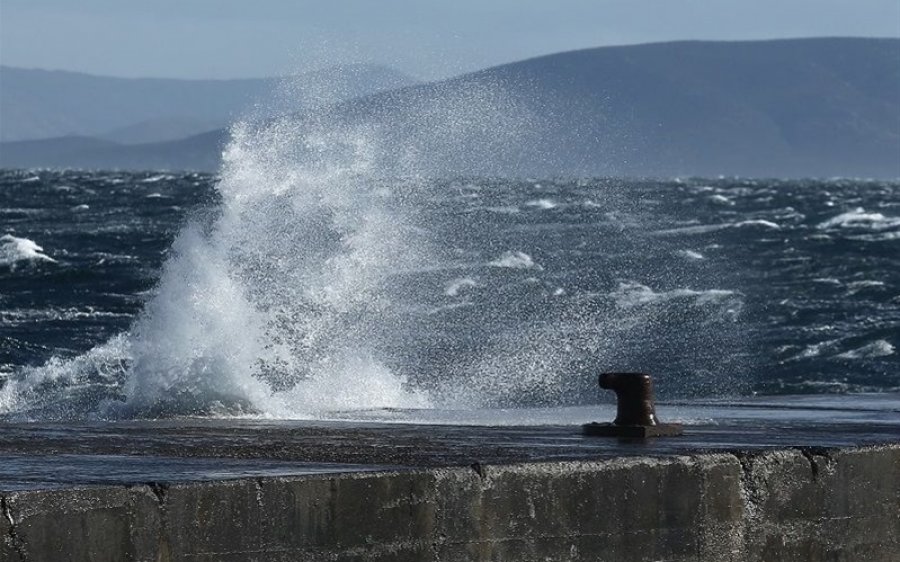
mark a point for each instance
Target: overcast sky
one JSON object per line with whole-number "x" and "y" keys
{"x": 426, "y": 38}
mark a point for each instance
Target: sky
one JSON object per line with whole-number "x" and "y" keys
{"x": 426, "y": 38}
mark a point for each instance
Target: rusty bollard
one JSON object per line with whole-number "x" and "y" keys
{"x": 635, "y": 412}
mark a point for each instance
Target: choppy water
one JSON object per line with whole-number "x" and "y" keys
{"x": 455, "y": 293}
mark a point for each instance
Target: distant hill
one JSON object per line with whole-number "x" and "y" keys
{"x": 37, "y": 104}
{"x": 786, "y": 108}
{"x": 199, "y": 152}
{"x": 171, "y": 127}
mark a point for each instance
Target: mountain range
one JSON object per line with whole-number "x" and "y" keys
{"x": 39, "y": 104}
{"x": 788, "y": 108}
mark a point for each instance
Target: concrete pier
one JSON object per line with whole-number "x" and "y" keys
{"x": 746, "y": 488}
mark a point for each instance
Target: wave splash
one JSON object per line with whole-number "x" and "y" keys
{"x": 280, "y": 302}
{"x": 276, "y": 306}
{"x": 14, "y": 250}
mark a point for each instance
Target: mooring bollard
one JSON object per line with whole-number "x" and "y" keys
{"x": 635, "y": 411}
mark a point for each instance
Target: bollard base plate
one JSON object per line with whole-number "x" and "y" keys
{"x": 596, "y": 429}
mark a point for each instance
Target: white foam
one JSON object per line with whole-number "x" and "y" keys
{"x": 721, "y": 199}
{"x": 455, "y": 287}
{"x": 707, "y": 228}
{"x": 354, "y": 382}
{"x": 878, "y": 348}
{"x": 857, "y": 286}
{"x": 759, "y": 222}
{"x": 545, "y": 204}
{"x": 817, "y": 349}
{"x": 503, "y": 210}
{"x": 632, "y": 294}
{"x": 884, "y": 236}
{"x": 28, "y": 390}
{"x": 690, "y": 254}
{"x": 158, "y": 178}
{"x": 862, "y": 220}
{"x": 14, "y": 250}
{"x": 516, "y": 260}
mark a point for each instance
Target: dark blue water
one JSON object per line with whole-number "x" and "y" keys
{"x": 525, "y": 291}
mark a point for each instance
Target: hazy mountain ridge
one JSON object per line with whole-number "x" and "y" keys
{"x": 804, "y": 107}
{"x": 161, "y": 129}
{"x": 37, "y": 104}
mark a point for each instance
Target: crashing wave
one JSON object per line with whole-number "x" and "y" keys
{"x": 862, "y": 220}
{"x": 14, "y": 250}
{"x": 878, "y": 348}
{"x": 515, "y": 260}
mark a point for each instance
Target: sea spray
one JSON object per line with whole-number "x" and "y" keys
{"x": 803, "y": 308}
{"x": 281, "y": 302}
{"x": 278, "y": 306}
{"x": 338, "y": 271}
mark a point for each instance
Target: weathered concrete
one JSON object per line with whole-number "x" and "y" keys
{"x": 785, "y": 504}
{"x": 779, "y": 479}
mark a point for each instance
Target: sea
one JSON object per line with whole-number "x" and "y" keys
{"x": 270, "y": 292}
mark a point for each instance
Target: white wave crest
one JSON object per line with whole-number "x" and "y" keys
{"x": 721, "y": 200}
{"x": 629, "y": 295}
{"x": 861, "y": 220}
{"x": 455, "y": 287}
{"x": 14, "y": 250}
{"x": 690, "y": 254}
{"x": 516, "y": 260}
{"x": 878, "y": 348}
{"x": 544, "y": 204}
{"x": 707, "y": 228}
{"x": 102, "y": 365}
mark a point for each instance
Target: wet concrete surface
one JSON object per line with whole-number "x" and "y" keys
{"x": 39, "y": 455}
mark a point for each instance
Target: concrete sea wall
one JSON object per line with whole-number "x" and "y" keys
{"x": 793, "y": 504}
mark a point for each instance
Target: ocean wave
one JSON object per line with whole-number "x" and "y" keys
{"x": 707, "y": 228}
{"x": 498, "y": 209}
{"x": 27, "y": 316}
{"x": 515, "y": 260}
{"x": 65, "y": 388}
{"x": 758, "y": 222}
{"x": 885, "y": 236}
{"x": 859, "y": 219}
{"x": 828, "y": 281}
{"x": 816, "y": 349}
{"x": 721, "y": 200}
{"x": 23, "y": 211}
{"x": 14, "y": 250}
{"x": 690, "y": 255}
{"x": 862, "y": 285}
{"x": 158, "y": 178}
{"x": 544, "y": 204}
{"x": 629, "y": 295}
{"x": 456, "y": 286}
{"x": 878, "y": 348}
